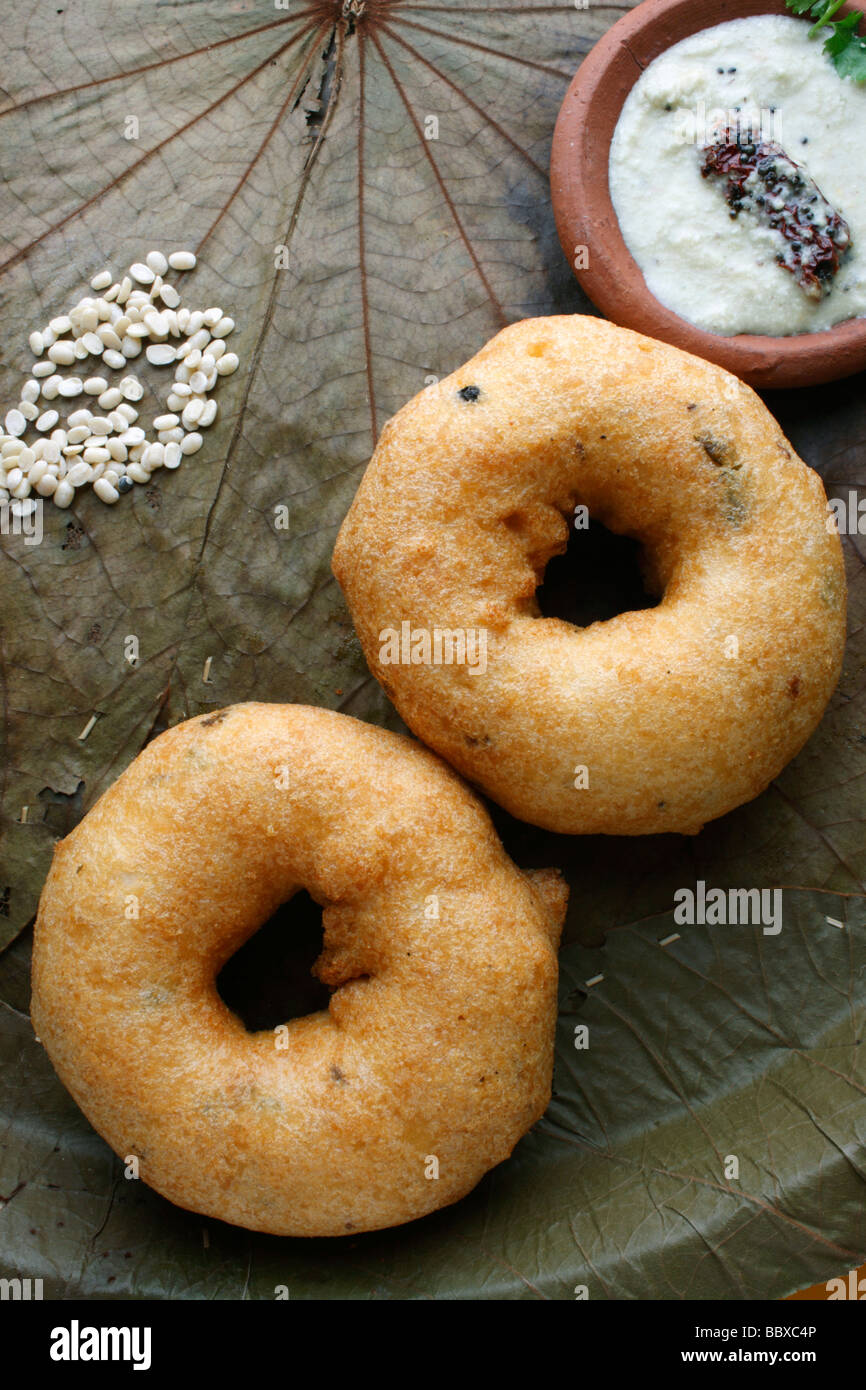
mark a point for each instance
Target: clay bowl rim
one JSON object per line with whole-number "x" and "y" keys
{"x": 585, "y": 216}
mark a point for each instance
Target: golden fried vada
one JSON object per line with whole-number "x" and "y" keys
{"x": 436, "y": 1051}
{"x": 656, "y": 720}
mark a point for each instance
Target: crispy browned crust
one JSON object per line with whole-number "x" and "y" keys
{"x": 465, "y": 501}
{"x": 438, "y": 1043}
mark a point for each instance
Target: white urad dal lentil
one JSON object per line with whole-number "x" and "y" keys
{"x": 718, "y": 272}
{"x": 110, "y": 452}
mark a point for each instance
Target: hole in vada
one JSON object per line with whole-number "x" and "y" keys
{"x": 598, "y": 577}
{"x": 269, "y": 980}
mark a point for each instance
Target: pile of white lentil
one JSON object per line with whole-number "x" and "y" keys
{"x": 108, "y": 450}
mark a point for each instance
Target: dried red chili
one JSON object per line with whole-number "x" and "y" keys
{"x": 761, "y": 178}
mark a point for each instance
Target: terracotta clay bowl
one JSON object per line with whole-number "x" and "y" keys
{"x": 585, "y": 216}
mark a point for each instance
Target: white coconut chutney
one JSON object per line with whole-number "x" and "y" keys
{"x": 720, "y": 272}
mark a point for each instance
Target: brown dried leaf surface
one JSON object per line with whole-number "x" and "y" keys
{"x": 306, "y": 129}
